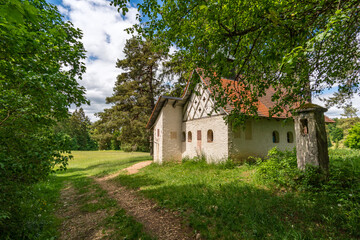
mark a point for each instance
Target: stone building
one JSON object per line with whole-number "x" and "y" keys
{"x": 189, "y": 127}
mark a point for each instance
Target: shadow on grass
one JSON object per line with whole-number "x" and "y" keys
{"x": 239, "y": 210}
{"x": 137, "y": 181}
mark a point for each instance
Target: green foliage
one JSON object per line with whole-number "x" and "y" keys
{"x": 36, "y": 90}
{"x": 224, "y": 203}
{"x": 341, "y": 189}
{"x": 353, "y": 139}
{"x": 32, "y": 212}
{"x": 349, "y": 112}
{"x": 336, "y": 134}
{"x": 126, "y": 148}
{"x": 263, "y": 44}
{"x": 135, "y": 92}
{"x": 280, "y": 168}
{"x": 77, "y": 127}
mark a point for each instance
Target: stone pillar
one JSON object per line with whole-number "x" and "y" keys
{"x": 311, "y": 140}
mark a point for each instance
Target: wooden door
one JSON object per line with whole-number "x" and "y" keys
{"x": 198, "y": 145}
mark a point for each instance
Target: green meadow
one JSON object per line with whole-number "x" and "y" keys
{"x": 223, "y": 201}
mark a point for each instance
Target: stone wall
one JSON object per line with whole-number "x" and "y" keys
{"x": 311, "y": 142}
{"x": 257, "y": 138}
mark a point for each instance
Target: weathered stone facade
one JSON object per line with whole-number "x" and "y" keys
{"x": 311, "y": 140}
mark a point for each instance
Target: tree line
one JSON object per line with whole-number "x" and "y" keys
{"x": 148, "y": 72}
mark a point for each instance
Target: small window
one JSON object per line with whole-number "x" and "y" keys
{"x": 275, "y": 136}
{"x": 183, "y": 137}
{"x": 158, "y": 132}
{"x": 290, "y": 137}
{"x": 304, "y": 126}
{"x": 199, "y": 135}
{"x": 210, "y": 136}
{"x": 204, "y": 99}
{"x": 189, "y": 136}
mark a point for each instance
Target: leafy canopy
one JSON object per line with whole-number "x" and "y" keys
{"x": 298, "y": 48}
{"x": 40, "y": 63}
{"x": 353, "y": 139}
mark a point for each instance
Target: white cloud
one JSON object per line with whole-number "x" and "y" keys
{"x": 104, "y": 40}
{"x": 335, "y": 112}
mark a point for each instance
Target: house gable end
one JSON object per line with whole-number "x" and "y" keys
{"x": 200, "y": 104}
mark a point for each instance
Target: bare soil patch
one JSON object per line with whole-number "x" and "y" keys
{"x": 77, "y": 224}
{"x": 158, "y": 222}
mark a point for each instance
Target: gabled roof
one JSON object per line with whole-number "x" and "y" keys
{"x": 264, "y": 103}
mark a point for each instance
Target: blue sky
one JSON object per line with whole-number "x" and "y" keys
{"x": 104, "y": 39}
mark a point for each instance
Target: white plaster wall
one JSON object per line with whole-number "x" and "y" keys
{"x": 214, "y": 151}
{"x": 158, "y": 140}
{"x": 172, "y": 119}
{"x": 262, "y": 138}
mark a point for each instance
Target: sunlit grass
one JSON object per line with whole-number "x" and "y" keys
{"x": 224, "y": 203}
{"x": 91, "y": 163}
{"x": 44, "y": 202}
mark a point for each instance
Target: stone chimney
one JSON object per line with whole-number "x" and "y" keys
{"x": 311, "y": 140}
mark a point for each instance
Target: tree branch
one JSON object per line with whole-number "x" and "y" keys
{"x": 6, "y": 118}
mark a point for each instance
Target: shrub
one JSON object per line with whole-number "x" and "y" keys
{"x": 353, "y": 139}
{"x": 279, "y": 168}
{"x": 126, "y": 147}
{"x": 341, "y": 189}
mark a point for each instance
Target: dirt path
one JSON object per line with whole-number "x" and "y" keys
{"x": 158, "y": 222}
{"x": 76, "y": 224}
{"x": 130, "y": 170}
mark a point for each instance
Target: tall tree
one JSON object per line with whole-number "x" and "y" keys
{"x": 135, "y": 92}
{"x": 40, "y": 63}
{"x": 77, "y": 127}
{"x": 175, "y": 70}
{"x": 298, "y": 48}
{"x": 349, "y": 111}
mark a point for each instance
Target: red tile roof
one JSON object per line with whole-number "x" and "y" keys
{"x": 264, "y": 103}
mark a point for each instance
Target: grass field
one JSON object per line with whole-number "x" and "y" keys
{"x": 44, "y": 203}
{"x": 218, "y": 201}
{"x": 222, "y": 202}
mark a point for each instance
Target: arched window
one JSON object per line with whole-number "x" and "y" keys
{"x": 183, "y": 137}
{"x": 210, "y": 136}
{"x": 189, "y": 136}
{"x": 290, "y": 137}
{"x": 275, "y": 136}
